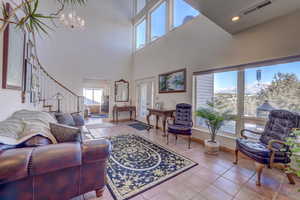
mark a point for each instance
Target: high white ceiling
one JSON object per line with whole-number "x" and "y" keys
{"x": 222, "y": 11}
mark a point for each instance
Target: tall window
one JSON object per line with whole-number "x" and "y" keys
{"x": 139, "y": 5}
{"x": 140, "y": 33}
{"x": 220, "y": 88}
{"x": 265, "y": 88}
{"x": 183, "y": 12}
{"x": 92, "y": 96}
{"x": 158, "y": 21}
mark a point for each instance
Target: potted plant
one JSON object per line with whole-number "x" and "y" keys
{"x": 214, "y": 115}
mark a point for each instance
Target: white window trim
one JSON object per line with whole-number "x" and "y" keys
{"x": 159, "y": 3}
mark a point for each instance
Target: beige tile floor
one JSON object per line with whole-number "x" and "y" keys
{"x": 215, "y": 178}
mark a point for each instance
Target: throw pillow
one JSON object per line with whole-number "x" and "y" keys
{"x": 65, "y": 118}
{"x": 36, "y": 141}
{"x": 65, "y": 133}
{"x": 78, "y": 119}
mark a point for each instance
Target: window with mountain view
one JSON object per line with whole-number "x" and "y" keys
{"x": 183, "y": 12}
{"x": 265, "y": 88}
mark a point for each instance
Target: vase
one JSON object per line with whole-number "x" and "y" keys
{"x": 211, "y": 148}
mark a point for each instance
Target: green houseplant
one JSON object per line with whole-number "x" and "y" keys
{"x": 214, "y": 114}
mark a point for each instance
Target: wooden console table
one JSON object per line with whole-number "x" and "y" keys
{"x": 164, "y": 114}
{"x": 118, "y": 109}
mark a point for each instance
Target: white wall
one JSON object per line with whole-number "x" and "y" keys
{"x": 101, "y": 51}
{"x": 200, "y": 44}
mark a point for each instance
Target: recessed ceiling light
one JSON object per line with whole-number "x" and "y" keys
{"x": 236, "y": 18}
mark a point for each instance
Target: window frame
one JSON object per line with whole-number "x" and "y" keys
{"x": 153, "y": 8}
{"x": 135, "y": 32}
{"x": 241, "y": 118}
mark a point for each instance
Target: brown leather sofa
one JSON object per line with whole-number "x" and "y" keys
{"x": 53, "y": 172}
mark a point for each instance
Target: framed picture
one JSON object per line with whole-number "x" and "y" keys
{"x": 172, "y": 82}
{"x": 13, "y": 56}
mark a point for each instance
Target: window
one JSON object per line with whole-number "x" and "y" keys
{"x": 265, "y": 88}
{"x": 92, "y": 96}
{"x": 139, "y": 5}
{"x": 158, "y": 21}
{"x": 183, "y": 12}
{"x": 140, "y": 33}
{"x": 221, "y": 88}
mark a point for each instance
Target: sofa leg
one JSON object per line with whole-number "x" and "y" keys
{"x": 236, "y": 157}
{"x": 99, "y": 192}
{"x": 259, "y": 168}
{"x": 291, "y": 179}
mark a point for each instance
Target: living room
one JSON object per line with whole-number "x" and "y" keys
{"x": 127, "y": 71}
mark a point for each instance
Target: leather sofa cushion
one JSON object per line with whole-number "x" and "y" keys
{"x": 55, "y": 157}
{"x": 259, "y": 151}
{"x": 14, "y": 164}
{"x": 65, "y": 133}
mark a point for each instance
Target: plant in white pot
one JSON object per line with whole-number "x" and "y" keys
{"x": 214, "y": 115}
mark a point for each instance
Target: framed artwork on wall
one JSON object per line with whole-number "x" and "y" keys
{"x": 172, "y": 82}
{"x": 14, "y": 40}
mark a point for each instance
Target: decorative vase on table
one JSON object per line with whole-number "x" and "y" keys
{"x": 214, "y": 115}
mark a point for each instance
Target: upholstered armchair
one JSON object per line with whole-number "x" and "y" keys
{"x": 270, "y": 150}
{"x": 182, "y": 122}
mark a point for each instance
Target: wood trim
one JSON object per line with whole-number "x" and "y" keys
{"x": 171, "y": 72}
{"x": 273, "y": 61}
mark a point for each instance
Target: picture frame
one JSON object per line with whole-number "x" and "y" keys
{"x": 14, "y": 40}
{"x": 172, "y": 82}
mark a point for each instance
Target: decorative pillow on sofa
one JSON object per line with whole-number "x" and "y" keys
{"x": 65, "y": 118}
{"x": 78, "y": 119}
{"x": 65, "y": 133}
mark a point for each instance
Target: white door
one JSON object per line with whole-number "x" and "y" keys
{"x": 145, "y": 97}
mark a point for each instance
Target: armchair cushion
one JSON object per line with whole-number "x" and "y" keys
{"x": 259, "y": 151}
{"x": 65, "y": 133}
{"x": 179, "y": 129}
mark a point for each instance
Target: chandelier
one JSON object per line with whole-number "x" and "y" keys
{"x": 71, "y": 20}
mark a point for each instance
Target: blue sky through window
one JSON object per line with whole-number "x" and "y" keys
{"x": 228, "y": 80}
{"x": 181, "y": 11}
{"x": 141, "y": 34}
{"x": 158, "y": 21}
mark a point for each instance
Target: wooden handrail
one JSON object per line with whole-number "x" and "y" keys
{"x": 57, "y": 82}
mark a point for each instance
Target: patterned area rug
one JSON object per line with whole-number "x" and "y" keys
{"x": 137, "y": 164}
{"x": 140, "y": 126}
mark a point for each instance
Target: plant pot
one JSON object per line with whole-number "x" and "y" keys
{"x": 211, "y": 148}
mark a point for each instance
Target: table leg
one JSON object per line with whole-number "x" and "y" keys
{"x": 117, "y": 116}
{"x": 148, "y": 118}
{"x": 157, "y": 119}
{"x": 130, "y": 115}
{"x": 164, "y": 121}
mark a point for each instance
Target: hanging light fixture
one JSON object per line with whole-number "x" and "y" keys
{"x": 72, "y": 20}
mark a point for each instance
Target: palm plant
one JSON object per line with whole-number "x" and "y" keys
{"x": 214, "y": 116}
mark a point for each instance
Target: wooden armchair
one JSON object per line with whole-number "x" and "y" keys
{"x": 270, "y": 150}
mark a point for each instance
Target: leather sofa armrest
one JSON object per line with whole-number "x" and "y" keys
{"x": 95, "y": 150}
{"x": 55, "y": 157}
{"x": 14, "y": 164}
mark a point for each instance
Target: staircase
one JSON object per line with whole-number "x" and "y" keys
{"x": 54, "y": 96}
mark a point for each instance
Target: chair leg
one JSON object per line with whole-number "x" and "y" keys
{"x": 176, "y": 137}
{"x": 236, "y": 157}
{"x": 190, "y": 138}
{"x": 99, "y": 192}
{"x": 291, "y": 179}
{"x": 259, "y": 168}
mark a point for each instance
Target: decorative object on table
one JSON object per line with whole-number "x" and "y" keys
{"x": 121, "y": 91}
{"x": 172, "y": 82}
{"x": 182, "y": 123}
{"x": 137, "y": 164}
{"x": 214, "y": 116}
{"x": 141, "y": 126}
{"x": 294, "y": 144}
{"x": 58, "y": 96}
{"x": 160, "y": 113}
{"x": 13, "y": 56}
{"x": 159, "y": 105}
{"x": 271, "y": 149}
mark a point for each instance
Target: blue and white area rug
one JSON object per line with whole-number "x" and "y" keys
{"x": 137, "y": 164}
